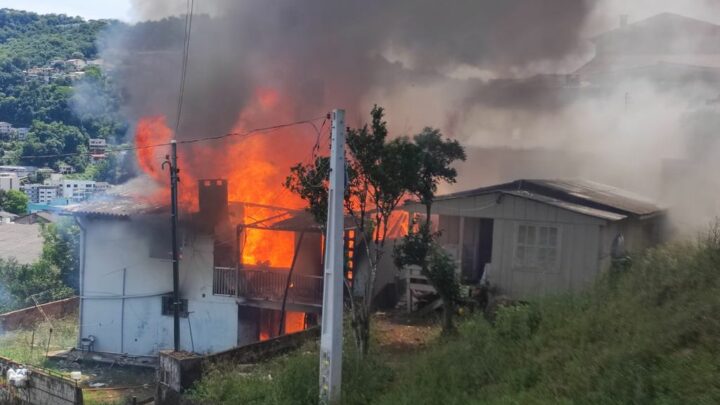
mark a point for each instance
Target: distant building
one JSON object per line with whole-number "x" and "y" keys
{"x": 75, "y": 64}
{"x": 21, "y": 171}
{"x": 75, "y": 75}
{"x": 39, "y": 217}
{"x": 65, "y": 168}
{"x": 6, "y": 128}
{"x": 21, "y": 133}
{"x": 41, "y": 193}
{"x": 77, "y": 190}
{"x": 54, "y": 179}
{"x": 9, "y": 181}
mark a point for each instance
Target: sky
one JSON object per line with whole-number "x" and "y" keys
{"x": 90, "y": 9}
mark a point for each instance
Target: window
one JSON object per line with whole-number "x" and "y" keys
{"x": 167, "y": 307}
{"x": 537, "y": 246}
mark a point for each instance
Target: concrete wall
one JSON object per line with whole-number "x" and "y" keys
{"x": 177, "y": 372}
{"x": 122, "y": 288}
{"x": 579, "y": 251}
{"x": 42, "y": 388}
{"x": 25, "y": 318}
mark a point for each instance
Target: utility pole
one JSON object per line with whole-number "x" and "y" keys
{"x": 332, "y": 309}
{"x": 172, "y": 162}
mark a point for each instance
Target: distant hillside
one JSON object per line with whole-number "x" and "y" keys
{"x": 55, "y": 91}
{"x": 34, "y": 40}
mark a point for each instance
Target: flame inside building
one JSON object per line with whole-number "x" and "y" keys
{"x": 252, "y": 166}
{"x": 248, "y": 169}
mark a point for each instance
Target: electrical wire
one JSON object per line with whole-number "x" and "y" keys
{"x": 250, "y": 132}
{"x": 190, "y": 5}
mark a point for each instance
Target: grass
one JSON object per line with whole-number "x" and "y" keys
{"x": 28, "y": 346}
{"x": 648, "y": 334}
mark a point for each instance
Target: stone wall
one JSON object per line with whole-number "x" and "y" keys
{"x": 42, "y": 388}
{"x": 178, "y": 371}
{"x": 27, "y": 317}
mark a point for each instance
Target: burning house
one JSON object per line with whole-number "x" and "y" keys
{"x": 241, "y": 279}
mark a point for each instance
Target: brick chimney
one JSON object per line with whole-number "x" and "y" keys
{"x": 212, "y": 201}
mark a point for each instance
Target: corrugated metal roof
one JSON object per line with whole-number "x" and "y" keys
{"x": 594, "y": 199}
{"x": 580, "y": 209}
{"x": 124, "y": 200}
{"x": 115, "y": 207}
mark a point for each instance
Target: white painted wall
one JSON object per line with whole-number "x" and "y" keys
{"x": 580, "y": 243}
{"x": 9, "y": 181}
{"x": 135, "y": 325}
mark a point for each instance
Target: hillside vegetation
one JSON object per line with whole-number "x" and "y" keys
{"x": 62, "y": 110}
{"x": 650, "y": 334}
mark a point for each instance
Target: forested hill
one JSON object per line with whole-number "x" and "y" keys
{"x": 54, "y": 89}
{"x": 29, "y": 39}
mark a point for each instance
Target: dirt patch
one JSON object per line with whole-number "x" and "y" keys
{"x": 400, "y": 333}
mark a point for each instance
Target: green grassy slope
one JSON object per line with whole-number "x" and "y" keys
{"x": 649, "y": 335}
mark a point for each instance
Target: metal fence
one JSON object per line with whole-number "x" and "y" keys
{"x": 225, "y": 281}
{"x": 268, "y": 284}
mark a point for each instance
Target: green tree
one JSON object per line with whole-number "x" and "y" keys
{"x": 442, "y": 274}
{"x": 436, "y": 157}
{"x": 14, "y": 201}
{"x": 379, "y": 171}
{"x": 46, "y": 141}
{"x": 24, "y": 284}
{"x": 419, "y": 248}
{"x": 61, "y": 247}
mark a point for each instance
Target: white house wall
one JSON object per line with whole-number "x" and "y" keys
{"x": 579, "y": 252}
{"x": 135, "y": 324}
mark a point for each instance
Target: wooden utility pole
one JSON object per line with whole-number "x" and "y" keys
{"x": 332, "y": 309}
{"x": 171, "y": 161}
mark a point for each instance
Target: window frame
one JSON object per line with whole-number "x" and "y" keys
{"x": 535, "y": 264}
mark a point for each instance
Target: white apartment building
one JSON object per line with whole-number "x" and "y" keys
{"x": 77, "y": 190}
{"x": 41, "y": 193}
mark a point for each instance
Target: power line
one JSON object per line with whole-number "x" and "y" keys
{"x": 190, "y": 5}
{"x": 183, "y": 142}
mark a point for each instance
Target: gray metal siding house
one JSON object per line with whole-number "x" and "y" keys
{"x": 534, "y": 237}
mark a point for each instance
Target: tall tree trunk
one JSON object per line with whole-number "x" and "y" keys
{"x": 361, "y": 330}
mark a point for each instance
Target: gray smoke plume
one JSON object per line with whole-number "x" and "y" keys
{"x": 324, "y": 54}
{"x": 493, "y": 74}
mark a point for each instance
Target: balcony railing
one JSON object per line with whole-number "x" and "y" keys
{"x": 225, "y": 281}
{"x": 268, "y": 285}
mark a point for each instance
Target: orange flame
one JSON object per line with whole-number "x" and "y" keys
{"x": 255, "y": 165}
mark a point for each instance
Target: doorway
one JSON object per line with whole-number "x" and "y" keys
{"x": 477, "y": 246}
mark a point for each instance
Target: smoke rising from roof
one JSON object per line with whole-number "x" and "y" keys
{"x": 491, "y": 73}
{"x": 324, "y": 54}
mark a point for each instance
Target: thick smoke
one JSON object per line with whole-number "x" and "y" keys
{"x": 494, "y": 74}
{"x": 325, "y": 54}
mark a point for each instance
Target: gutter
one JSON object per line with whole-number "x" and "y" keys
{"x": 83, "y": 245}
